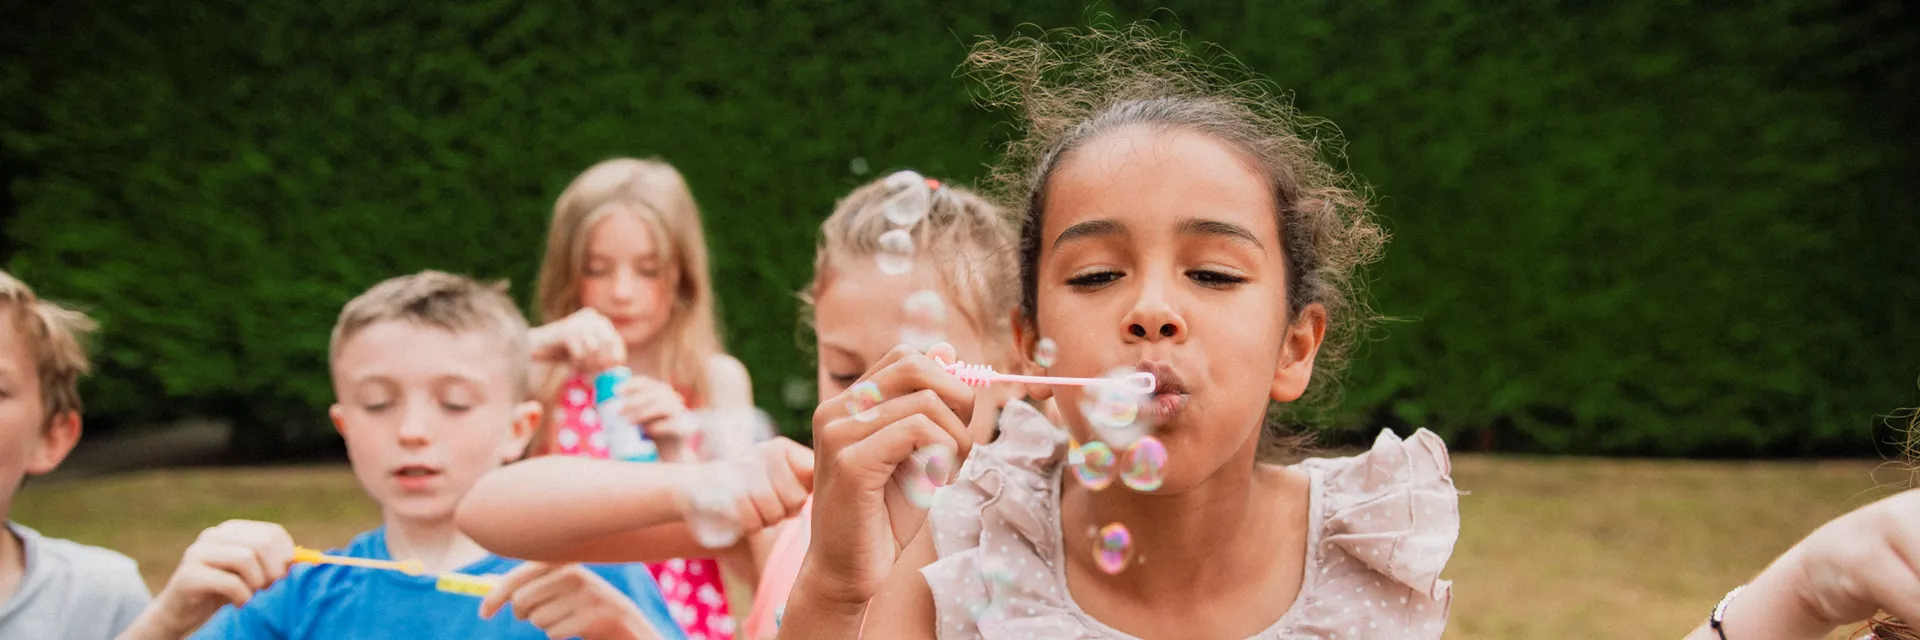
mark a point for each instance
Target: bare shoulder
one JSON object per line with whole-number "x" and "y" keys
{"x": 729, "y": 381}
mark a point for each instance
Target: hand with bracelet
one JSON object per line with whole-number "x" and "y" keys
{"x": 1846, "y": 571}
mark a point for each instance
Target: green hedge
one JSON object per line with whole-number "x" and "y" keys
{"x": 1638, "y": 228}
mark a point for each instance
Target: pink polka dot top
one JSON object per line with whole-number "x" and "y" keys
{"x": 1381, "y": 527}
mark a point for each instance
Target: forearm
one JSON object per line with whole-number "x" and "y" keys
{"x": 809, "y": 616}
{"x": 549, "y": 507}
{"x": 156, "y": 623}
{"x": 1768, "y": 609}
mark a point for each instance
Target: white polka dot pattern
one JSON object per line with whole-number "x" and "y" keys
{"x": 1383, "y": 525}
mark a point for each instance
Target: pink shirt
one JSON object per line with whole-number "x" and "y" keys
{"x": 777, "y": 577}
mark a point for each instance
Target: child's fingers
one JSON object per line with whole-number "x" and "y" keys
{"x": 792, "y": 463}
{"x": 239, "y": 561}
{"x": 876, "y": 457}
{"x": 544, "y": 590}
{"x": 511, "y": 583}
{"x": 208, "y": 580}
{"x": 926, "y": 403}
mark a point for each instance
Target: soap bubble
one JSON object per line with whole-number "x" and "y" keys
{"x": 1092, "y": 463}
{"x": 1146, "y": 467}
{"x": 895, "y": 256}
{"x": 861, "y": 400}
{"x": 909, "y": 206}
{"x": 923, "y": 473}
{"x": 925, "y": 308}
{"x": 1045, "y": 352}
{"x": 1114, "y": 548}
{"x": 920, "y": 339}
{"x": 924, "y": 316}
{"x": 998, "y": 580}
{"x": 1114, "y": 406}
{"x": 902, "y": 179}
{"x": 731, "y": 431}
{"x": 711, "y": 515}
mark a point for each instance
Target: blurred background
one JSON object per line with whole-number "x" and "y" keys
{"x": 1640, "y": 228}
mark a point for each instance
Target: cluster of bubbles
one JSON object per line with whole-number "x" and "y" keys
{"x": 1117, "y": 410}
{"x": 910, "y": 200}
{"x": 712, "y": 510}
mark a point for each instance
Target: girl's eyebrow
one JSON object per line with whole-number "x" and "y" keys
{"x": 1231, "y": 231}
{"x": 1089, "y": 230}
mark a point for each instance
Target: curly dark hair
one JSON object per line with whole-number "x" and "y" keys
{"x": 1070, "y": 86}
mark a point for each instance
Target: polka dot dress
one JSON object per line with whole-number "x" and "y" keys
{"x": 694, "y": 590}
{"x": 1382, "y": 526}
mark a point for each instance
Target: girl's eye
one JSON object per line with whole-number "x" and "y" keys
{"x": 1093, "y": 280}
{"x": 376, "y": 407}
{"x": 1210, "y": 278}
{"x": 455, "y": 407}
{"x": 843, "y": 379}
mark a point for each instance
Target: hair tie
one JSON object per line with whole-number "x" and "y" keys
{"x": 933, "y": 184}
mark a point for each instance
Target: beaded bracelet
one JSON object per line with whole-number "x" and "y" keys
{"x": 1719, "y": 619}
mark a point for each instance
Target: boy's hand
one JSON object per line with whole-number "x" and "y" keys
{"x": 226, "y": 565}
{"x": 567, "y": 601}
{"x": 862, "y": 518}
{"x": 586, "y": 340}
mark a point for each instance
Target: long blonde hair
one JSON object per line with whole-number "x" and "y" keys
{"x": 657, "y": 194}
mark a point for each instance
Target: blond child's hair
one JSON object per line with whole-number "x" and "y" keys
{"x": 964, "y": 238}
{"x": 454, "y": 303}
{"x": 657, "y": 194}
{"x": 57, "y": 338}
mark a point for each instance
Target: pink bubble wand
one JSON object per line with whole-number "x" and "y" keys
{"x": 981, "y": 375}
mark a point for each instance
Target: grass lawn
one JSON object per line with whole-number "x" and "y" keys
{"x": 1549, "y": 548}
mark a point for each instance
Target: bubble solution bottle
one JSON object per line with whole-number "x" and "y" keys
{"x": 625, "y": 441}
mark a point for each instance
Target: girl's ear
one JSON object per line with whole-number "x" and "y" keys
{"x": 1302, "y": 343}
{"x": 1024, "y": 338}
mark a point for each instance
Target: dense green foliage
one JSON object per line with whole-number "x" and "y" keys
{"x": 1634, "y": 227}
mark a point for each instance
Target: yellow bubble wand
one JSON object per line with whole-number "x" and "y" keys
{"x": 449, "y": 582}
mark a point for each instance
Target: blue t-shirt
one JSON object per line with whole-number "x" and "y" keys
{"x": 331, "y": 601}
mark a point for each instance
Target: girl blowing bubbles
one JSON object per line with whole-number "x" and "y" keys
{"x": 1181, "y": 225}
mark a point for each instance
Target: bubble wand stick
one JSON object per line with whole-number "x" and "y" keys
{"x": 980, "y": 375}
{"x": 449, "y": 582}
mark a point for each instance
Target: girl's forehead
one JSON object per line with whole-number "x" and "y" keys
{"x": 621, "y": 233}
{"x": 1150, "y": 180}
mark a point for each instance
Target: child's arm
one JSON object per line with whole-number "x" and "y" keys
{"x": 867, "y": 537}
{"x": 226, "y": 565}
{"x": 584, "y": 510}
{"x": 1845, "y": 571}
{"x": 586, "y": 340}
{"x": 568, "y": 601}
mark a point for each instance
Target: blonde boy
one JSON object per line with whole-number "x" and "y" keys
{"x": 429, "y": 372}
{"x": 49, "y": 588}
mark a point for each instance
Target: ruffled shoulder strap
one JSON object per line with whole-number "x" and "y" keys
{"x": 996, "y": 531}
{"x": 1395, "y": 509}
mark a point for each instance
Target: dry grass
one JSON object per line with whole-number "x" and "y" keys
{"x": 1550, "y": 548}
